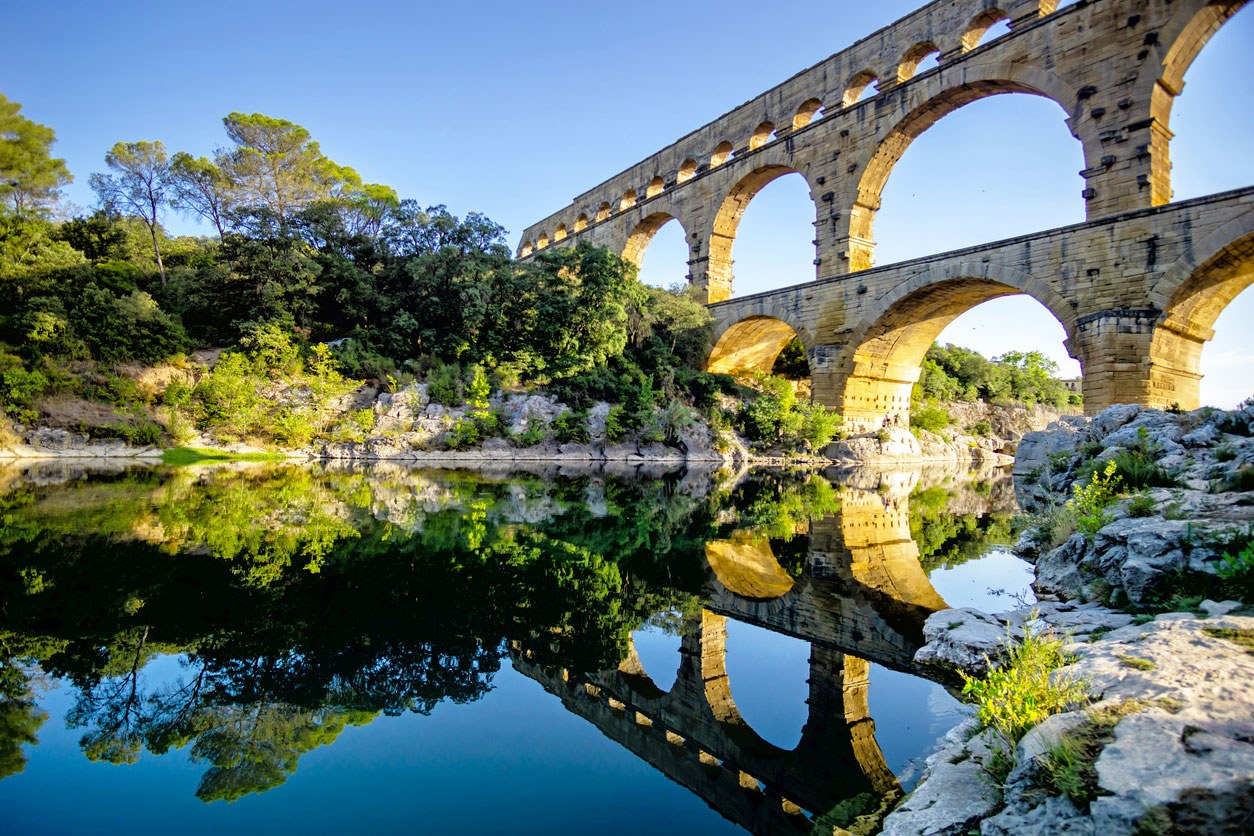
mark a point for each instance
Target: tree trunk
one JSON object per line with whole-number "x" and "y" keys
{"x": 157, "y": 249}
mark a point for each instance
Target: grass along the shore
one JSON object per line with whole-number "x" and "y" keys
{"x": 195, "y": 455}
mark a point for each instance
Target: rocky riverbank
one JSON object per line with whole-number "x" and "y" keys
{"x": 1166, "y": 739}
{"x": 410, "y": 426}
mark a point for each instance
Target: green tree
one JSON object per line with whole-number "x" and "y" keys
{"x": 30, "y": 177}
{"x": 140, "y": 187}
{"x": 201, "y": 188}
{"x": 276, "y": 164}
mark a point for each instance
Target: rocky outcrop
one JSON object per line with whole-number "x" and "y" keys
{"x": 1180, "y": 755}
{"x": 52, "y": 443}
{"x": 979, "y": 432}
{"x": 1181, "y": 530}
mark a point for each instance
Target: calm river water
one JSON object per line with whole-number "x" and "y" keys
{"x": 265, "y": 648}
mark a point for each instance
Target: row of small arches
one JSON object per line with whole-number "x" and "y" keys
{"x": 861, "y": 85}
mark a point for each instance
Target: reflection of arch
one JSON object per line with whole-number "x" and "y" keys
{"x": 560, "y": 232}
{"x": 640, "y": 237}
{"x": 888, "y": 350}
{"x": 628, "y": 200}
{"x": 686, "y": 171}
{"x": 748, "y": 567}
{"x": 603, "y": 211}
{"x": 805, "y": 113}
{"x": 980, "y": 24}
{"x": 761, "y": 135}
{"x": 752, "y": 343}
{"x": 913, "y": 57}
{"x": 581, "y": 222}
{"x": 723, "y": 234}
{"x": 856, "y": 85}
{"x": 722, "y": 152}
{"x": 1192, "y": 293}
{"x": 635, "y": 675}
{"x": 1189, "y": 29}
{"x": 695, "y": 735}
{"x": 923, "y": 116}
{"x": 655, "y": 187}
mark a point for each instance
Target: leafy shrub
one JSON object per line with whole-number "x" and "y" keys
{"x": 1023, "y": 690}
{"x": 819, "y": 425}
{"x": 981, "y": 428}
{"x": 292, "y": 427}
{"x": 533, "y": 435}
{"x": 1142, "y": 505}
{"x": 19, "y": 388}
{"x": 1090, "y": 502}
{"x": 1138, "y": 470}
{"x": 144, "y": 434}
{"x": 444, "y": 384}
{"x": 465, "y": 434}
{"x": 674, "y": 420}
{"x": 227, "y": 397}
{"x": 1237, "y": 572}
{"x": 177, "y": 393}
{"x": 931, "y": 418}
{"x": 269, "y": 347}
{"x": 571, "y": 427}
{"x": 615, "y": 429}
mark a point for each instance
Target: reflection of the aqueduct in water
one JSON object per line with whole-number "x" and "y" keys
{"x": 862, "y": 593}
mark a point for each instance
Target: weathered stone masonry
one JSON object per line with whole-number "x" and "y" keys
{"x": 1137, "y": 288}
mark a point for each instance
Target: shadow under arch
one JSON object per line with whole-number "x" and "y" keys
{"x": 727, "y": 220}
{"x": 641, "y": 236}
{"x": 885, "y": 355}
{"x": 939, "y": 98}
{"x": 1189, "y": 30}
{"x": 1192, "y": 293}
{"x": 752, "y": 344}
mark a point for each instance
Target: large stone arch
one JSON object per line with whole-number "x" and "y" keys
{"x": 642, "y": 234}
{"x": 884, "y": 355}
{"x": 1192, "y": 293}
{"x": 1179, "y": 43}
{"x": 721, "y": 234}
{"x": 753, "y": 342}
{"x": 941, "y": 95}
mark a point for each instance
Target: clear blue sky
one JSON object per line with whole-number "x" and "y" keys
{"x": 512, "y": 109}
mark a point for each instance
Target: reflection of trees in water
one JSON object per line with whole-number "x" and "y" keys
{"x": 947, "y": 539}
{"x": 302, "y": 603}
{"x": 20, "y": 717}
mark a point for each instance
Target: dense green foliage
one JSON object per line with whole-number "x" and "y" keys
{"x": 952, "y": 373}
{"x": 307, "y": 253}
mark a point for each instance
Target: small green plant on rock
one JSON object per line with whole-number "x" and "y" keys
{"x": 1090, "y": 502}
{"x": 1069, "y": 766}
{"x": 1237, "y": 572}
{"x": 571, "y": 427}
{"x": 1142, "y": 505}
{"x": 533, "y": 435}
{"x": 1021, "y": 692}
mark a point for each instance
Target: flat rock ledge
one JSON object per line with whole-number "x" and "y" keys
{"x": 1182, "y": 762}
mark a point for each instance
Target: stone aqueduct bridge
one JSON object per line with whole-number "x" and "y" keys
{"x": 1137, "y": 288}
{"x": 862, "y": 593}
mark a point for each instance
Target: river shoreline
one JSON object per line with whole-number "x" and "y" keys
{"x": 1179, "y": 676}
